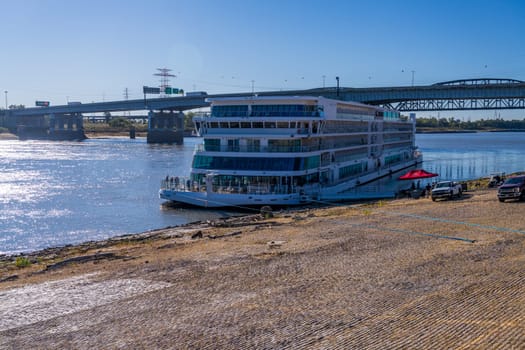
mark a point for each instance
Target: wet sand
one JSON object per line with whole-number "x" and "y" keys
{"x": 396, "y": 274}
{"x": 8, "y": 136}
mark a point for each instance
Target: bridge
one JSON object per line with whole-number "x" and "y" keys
{"x": 65, "y": 122}
{"x": 165, "y": 115}
{"x": 470, "y": 94}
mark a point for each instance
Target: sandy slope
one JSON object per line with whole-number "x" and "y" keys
{"x": 399, "y": 274}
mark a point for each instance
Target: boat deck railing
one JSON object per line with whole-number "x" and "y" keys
{"x": 243, "y": 148}
{"x": 184, "y": 184}
{"x": 181, "y": 184}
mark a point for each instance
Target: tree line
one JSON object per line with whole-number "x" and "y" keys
{"x": 481, "y": 124}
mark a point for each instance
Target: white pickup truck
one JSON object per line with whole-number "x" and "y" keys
{"x": 446, "y": 189}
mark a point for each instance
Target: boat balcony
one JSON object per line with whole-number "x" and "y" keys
{"x": 393, "y": 139}
{"x": 185, "y": 184}
{"x": 250, "y": 148}
{"x": 255, "y": 130}
{"x": 350, "y": 157}
{"x": 180, "y": 184}
{"x": 245, "y": 114}
{"x": 398, "y": 129}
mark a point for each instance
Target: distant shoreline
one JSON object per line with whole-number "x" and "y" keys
{"x": 431, "y": 131}
{"x": 448, "y": 131}
{"x": 113, "y": 133}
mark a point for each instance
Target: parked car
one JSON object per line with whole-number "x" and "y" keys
{"x": 496, "y": 179}
{"x": 446, "y": 189}
{"x": 512, "y": 188}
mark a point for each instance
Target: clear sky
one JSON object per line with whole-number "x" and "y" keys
{"x": 92, "y": 50}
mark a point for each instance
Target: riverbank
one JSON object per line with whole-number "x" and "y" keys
{"x": 420, "y": 130}
{"x": 393, "y": 274}
{"x": 8, "y": 136}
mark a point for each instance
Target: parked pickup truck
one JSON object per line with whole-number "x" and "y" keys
{"x": 446, "y": 189}
{"x": 512, "y": 188}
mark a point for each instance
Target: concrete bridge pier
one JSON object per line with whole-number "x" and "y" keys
{"x": 66, "y": 127}
{"x": 165, "y": 127}
{"x": 31, "y": 128}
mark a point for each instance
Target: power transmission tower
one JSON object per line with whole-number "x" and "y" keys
{"x": 165, "y": 75}
{"x": 126, "y": 96}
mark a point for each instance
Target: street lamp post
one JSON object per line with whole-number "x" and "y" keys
{"x": 337, "y": 91}
{"x": 5, "y": 92}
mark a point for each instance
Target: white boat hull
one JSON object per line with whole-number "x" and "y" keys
{"x": 333, "y": 193}
{"x": 217, "y": 200}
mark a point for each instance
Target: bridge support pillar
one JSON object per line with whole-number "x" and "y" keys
{"x": 32, "y": 128}
{"x": 165, "y": 127}
{"x": 52, "y": 127}
{"x": 66, "y": 127}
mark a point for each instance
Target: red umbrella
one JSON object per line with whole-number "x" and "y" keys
{"x": 417, "y": 174}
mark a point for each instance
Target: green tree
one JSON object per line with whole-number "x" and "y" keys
{"x": 188, "y": 121}
{"x": 120, "y": 123}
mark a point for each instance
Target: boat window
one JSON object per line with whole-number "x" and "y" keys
{"x": 255, "y": 163}
{"x": 393, "y": 159}
{"x": 269, "y": 125}
{"x": 233, "y": 145}
{"x": 212, "y": 144}
{"x": 283, "y": 125}
{"x": 258, "y": 125}
{"x": 284, "y": 145}
{"x": 229, "y": 111}
{"x": 234, "y": 125}
{"x": 253, "y": 145}
{"x": 345, "y": 110}
{"x": 214, "y": 125}
{"x": 350, "y": 170}
{"x": 281, "y": 110}
{"x": 223, "y": 124}
{"x": 246, "y": 125}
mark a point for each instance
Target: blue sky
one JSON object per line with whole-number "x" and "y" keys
{"x": 93, "y": 50}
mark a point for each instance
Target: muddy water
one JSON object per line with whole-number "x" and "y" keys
{"x": 58, "y": 193}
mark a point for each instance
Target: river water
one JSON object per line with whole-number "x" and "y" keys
{"x": 58, "y": 193}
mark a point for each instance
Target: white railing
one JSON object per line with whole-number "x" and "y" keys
{"x": 184, "y": 184}
{"x": 266, "y": 149}
{"x": 181, "y": 184}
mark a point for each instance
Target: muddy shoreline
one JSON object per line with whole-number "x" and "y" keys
{"x": 400, "y": 273}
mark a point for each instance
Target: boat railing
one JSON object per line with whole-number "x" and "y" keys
{"x": 251, "y": 148}
{"x": 185, "y": 184}
{"x": 180, "y": 184}
{"x": 256, "y": 189}
{"x": 245, "y": 114}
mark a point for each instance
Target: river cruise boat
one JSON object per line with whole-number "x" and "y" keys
{"x": 291, "y": 150}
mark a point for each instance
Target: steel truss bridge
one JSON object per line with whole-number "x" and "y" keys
{"x": 468, "y": 94}
{"x": 473, "y": 94}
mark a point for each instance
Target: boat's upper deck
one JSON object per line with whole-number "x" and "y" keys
{"x": 296, "y": 107}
